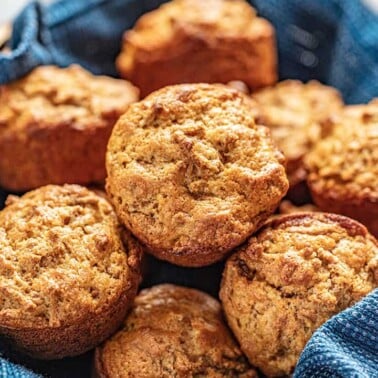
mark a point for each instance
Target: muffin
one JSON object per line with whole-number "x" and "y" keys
{"x": 68, "y": 273}
{"x": 55, "y": 124}
{"x": 343, "y": 168}
{"x": 191, "y": 175}
{"x": 172, "y": 331}
{"x": 192, "y": 41}
{"x": 292, "y": 276}
{"x": 287, "y": 207}
{"x": 297, "y": 115}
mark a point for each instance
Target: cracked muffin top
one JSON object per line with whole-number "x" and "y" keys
{"x": 62, "y": 258}
{"x": 294, "y": 112}
{"x": 50, "y": 96}
{"x": 191, "y": 175}
{"x": 292, "y": 276}
{"x": 345, "y": 164}
{"x": 180, "y": 332}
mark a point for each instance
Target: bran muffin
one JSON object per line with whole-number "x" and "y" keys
{"x": 192, "y": 41}
{"x": 292, "y": 276}
{"x": 294, "y": 112}
{"x": 55, "y": 124}
{"x": 343, "y": 168}
{"x": 172, "y": 331}
{"x": 191, "y": 175}
{"x": 68, "y": 273}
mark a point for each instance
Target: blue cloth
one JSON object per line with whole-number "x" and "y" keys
{"x": 10, "y": 370}
{"x": 335, "y": 41}
{"x": 346, "y": 346}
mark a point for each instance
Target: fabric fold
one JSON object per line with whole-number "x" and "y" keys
{"x": 345, "y": 346}
{"x": 29, "y": 44}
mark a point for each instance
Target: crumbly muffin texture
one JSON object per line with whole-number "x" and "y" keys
{"x": 342, "y": 169}
{"x": 62, "y": 265}
{"x": 71, "y": 95}
{"x": 186, "y": 41}
{"x": 173, "y": 331}
{"x": 345, "y": 164}
{"x": 294, "y": 112}
{"x": 55, "y": 124}
{"x": 191, "y": 175}
{"x": 292, "y": 276}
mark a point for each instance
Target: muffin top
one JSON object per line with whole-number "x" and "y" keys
{"x": 50, "y": 96}
{"x": 345, "y": 164}
{"x": 173, "y": 331}
{"x": 294, "y": 274}
{"x": 294, "y": 112}
{"x": 188, "y": 169}
{"x": 62, "y": 257}
{"x": 203, "y": 19}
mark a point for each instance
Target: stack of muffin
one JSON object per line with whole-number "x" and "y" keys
{"x": 193, "y": 174}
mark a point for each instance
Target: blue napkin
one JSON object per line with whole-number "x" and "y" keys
{"x": 10, "y": 370}
{"x": 335, "y": 41}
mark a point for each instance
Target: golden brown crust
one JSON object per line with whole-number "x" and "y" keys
{"x": 191, "y": 175}
{"x": 293, "y": 275}
{"x": 172, "y": 331}
{"x": 287, "y": 207}
{"x": 55, "y": 124}
{"x": 67, "y": 278}
{"x": 295, "y": 111}
{"x": 343, "y": 168}
{"x": 191, "y": 41}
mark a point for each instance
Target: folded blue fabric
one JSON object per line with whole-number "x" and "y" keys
{"x": 330, "y": 40}
{"x": 335, "y": 41}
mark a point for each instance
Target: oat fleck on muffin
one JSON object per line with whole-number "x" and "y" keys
{"x": 55, "y": 124}
{"x": 292, "y": 276}
{"x": 68, "y": 274}
{"x": 294, "y": 112}
{"x": 343, "y": 168}
{"x": 191, "y": 175}
{"x": 172, "y": 331}
{"x": 192, "y": 41}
